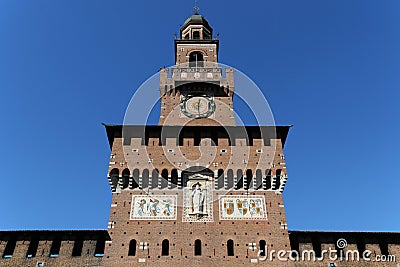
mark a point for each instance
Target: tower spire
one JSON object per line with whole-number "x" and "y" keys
{"x": 196, "y": 8}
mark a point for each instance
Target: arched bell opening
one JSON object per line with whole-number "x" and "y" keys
{"x": 196, "y": 60}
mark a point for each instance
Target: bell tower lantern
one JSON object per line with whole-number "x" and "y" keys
{"x": 196, "y": 27}
{"x": 196, "y": 43}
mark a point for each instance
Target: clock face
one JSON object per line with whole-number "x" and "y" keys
{"x": 197, "y": 106}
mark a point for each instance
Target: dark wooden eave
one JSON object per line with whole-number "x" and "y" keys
{"x": 140, "y": 131}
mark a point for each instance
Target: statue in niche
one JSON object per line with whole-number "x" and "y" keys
{"x": 198, "y": 200}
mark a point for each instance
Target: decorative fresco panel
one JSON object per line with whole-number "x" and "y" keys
{"x": 242, "y": 208}
{"x": 153, "y": 208}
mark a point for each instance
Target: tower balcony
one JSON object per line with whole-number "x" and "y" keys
{"x": 172, "y": 78}
{"x": 189, "y": 73}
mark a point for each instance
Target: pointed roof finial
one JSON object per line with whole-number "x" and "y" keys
{"x": 196, "y": 8}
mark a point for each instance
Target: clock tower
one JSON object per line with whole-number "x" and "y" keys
{"x": 196, "y": 190}
{"x": 194, "y": 91}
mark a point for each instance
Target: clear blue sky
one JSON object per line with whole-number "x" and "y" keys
{"x": 331, "y": 68}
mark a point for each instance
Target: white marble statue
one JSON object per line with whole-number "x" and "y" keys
{"x": 198, "y": 200}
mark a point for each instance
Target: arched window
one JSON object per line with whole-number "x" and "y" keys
{"x": 267, "y": 184}
{"x": 258, "y": 179}
{"x": 196, "y": 60}
{"x": 262, "y": 247}
{"x": 230, "y": 179}
{"x": 239, "y": 183}
{"x": 114, "y": 172}
{"x": 278, "y": 179}
{"x": 164, "y": 180}
{"x": 154, "y": 178}
{"x": 249, "y": 178}
{"x": 145, "y": 178}
{"x": 165, "y": 248}
{"x": 125, "y": 178}
{"x": 114, "y": 176}
{"x": 197, "y": 247}
{"x": 221, "y": 178}
{"x": 174, "y": 178}
{"x": 135, "y": 176}
{"x": 132, "y": 248}
{"x": 230, "y": 246}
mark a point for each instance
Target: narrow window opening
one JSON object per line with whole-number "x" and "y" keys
{"x": 135, "y": 178}
{"x": 249, "y": 178}
{"x": 132, "y": 248}
{"x": 174, "y": 178}
{"x": 114, "y": 177}
{"x": 99, "y": 250}
{"x": 197, "y": 247}
{"x": 239, "y": 184}
{"x": 230, "y": 247}
{"x": 262, "y": 247}
{"x": 125, "y": 178}
{"x": 230, "y": 179}
{"x": 9, "y": 249}
{"x": 360, "y": 247}
{"x": 317, "y": 248}
{"x": 267, "y": 184}
{"x": 77, "y": 249}
{"x": 196, "y": 35}
{"x": 220, "y": 179}
{"x": 145, "y": 178}
{"x": 154, "y": 179}
{"x": 278, "y": 179}
{"x": 55, "y": 248}
{"x": 259, "y": 179}
{"x": 384, "y": 249}
{"x": 32, "y": 249}
{"x": 164, "y": 181}
{"x": 339, "y": 252}
{"x": 165, "y": 248}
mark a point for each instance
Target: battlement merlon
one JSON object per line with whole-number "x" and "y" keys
{"x": 249, "y": 133}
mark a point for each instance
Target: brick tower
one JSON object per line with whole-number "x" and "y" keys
{"x": 196, "y": 190}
